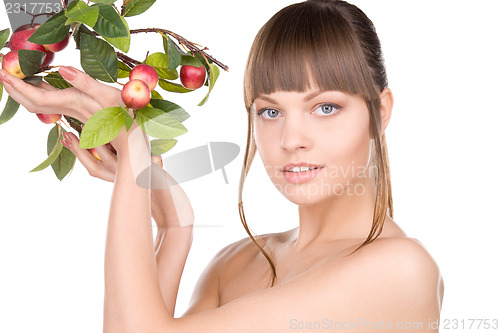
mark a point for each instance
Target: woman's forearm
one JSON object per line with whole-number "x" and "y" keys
{"x": 133, "y": 300}
{"x": 174, "y": 217}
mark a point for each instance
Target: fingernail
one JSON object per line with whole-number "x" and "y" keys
{"x": 66, "y": 136}
{"x": 69, "y": 74}
{"x": 65, "y": 144}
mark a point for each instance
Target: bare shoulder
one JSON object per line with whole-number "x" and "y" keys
{"x": 406, "y": 254}
{"x": 402, "y": 264}
{"x": 242, "y": 251}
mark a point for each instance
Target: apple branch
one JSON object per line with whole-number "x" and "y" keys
{"x": 183, "y": 41}
{"x": 127, "y": 60}
{"x": 33, "y": 16}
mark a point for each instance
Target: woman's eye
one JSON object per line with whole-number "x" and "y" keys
{"x": 268, "y": 113}
{"x": 328, "y": 108}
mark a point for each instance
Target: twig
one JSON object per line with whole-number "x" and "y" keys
{"x": 33, "y": 16}
{"x": 127, "y": 60}
{"x": 191, "y": 46}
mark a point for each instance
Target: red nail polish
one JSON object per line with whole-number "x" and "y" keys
{"x": 65, "y": 144}
{"x": 68, "y": 73}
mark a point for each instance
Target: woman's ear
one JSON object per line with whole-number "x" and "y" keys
{"x": 386, "y": 102}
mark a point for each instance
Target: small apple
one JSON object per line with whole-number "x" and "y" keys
{"x": 136, "y": 94}
{"x": 10, "y": 63}
{"x": 19, "y": 41}
{"x": 158, "y": 160}
{"x": 48, "y": 118}
{"x": 145, "y": 73}
{"x": 49, "y": 56}
{"x": 192, "y": 77}
{"x": 96, "y": 155}
{"x": 56, "y": 47}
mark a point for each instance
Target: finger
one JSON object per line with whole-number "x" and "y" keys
{"x": 94, "y": 167}
{"x": 46, "y": 86}
{"x": 30, "y": 96}
{"x": 108, "y": 158}
{"x": 106, "y": 95}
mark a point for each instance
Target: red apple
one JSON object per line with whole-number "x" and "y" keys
{"x": 48, "y": 58}
{"x": 10, "y": 63}
{"x": 158, "y": 160}
{"x": 19, "y": 41}
{"x": 192, "y": 77}
{"x": 145, "y": 73}
{"x": 48, "y": 118}
{"x": 56, "y": 47}
{"x": 136, "y": 94}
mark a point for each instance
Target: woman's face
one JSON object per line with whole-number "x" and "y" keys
{"x": 328, "y": 129}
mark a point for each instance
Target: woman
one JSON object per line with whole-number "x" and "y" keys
{"x": 317, "y": 98}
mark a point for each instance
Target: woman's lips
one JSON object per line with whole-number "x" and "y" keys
{"x": 302, "y": 176}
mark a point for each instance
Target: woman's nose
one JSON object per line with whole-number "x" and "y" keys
{"x": 295, "y": 133}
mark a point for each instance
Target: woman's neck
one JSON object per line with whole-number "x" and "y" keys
{"x": 338, "y": 217}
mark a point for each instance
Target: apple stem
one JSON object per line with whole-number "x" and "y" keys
{"x": 67, "y": 127}
{"x": 183, "y": 41}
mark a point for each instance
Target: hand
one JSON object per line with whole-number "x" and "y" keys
{"x": 105, "y": 169}
{"x": 86, "y": 97}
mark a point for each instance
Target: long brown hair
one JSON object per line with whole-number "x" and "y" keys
{"x": 334, "y": 44}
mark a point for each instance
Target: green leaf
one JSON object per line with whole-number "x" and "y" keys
{"x": 52, "y": 31}
{"x": 80, "y": 29}
{"x": 214, "y": 74}
{"x": 56, "y": 80}
{"x": 4, "y": 35}
{"x": 34, "y": 80}
{"x": 136, "y": 7}
{"x": 156, "y": 95}
{"x": 160, "y": 62}
{"x": 159, "y": 124}
{"x": 127, "y": 118}
{"x": 123, "y": 70}
{"x": 9, "y": 111}
{"x": 53, "y": 154}
{"x": 109, "y": 23}
{"x": 190, "y": 60}
{"x": 98, "y": 58}
{"x": 173, "y": 109}
{"x": 198, "y": 56}
{"x": 65, "y": 160}
{"x": 1, "y": 91}
{"x": 81, "y": 12}
{"x": 161, "y": 146}
{"x": 172, "y": 87}
{"x": 173, "y": 51}
{"x": 30, "y": 61}
{"x": 122, "y": 43}
{"x": 102, "y": 127}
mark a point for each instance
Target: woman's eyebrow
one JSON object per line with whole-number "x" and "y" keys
{"x": 267, "y": 99}
{"x": 312, "y": 95}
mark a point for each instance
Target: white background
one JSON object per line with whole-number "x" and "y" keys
{"x": 442, "y": 63}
